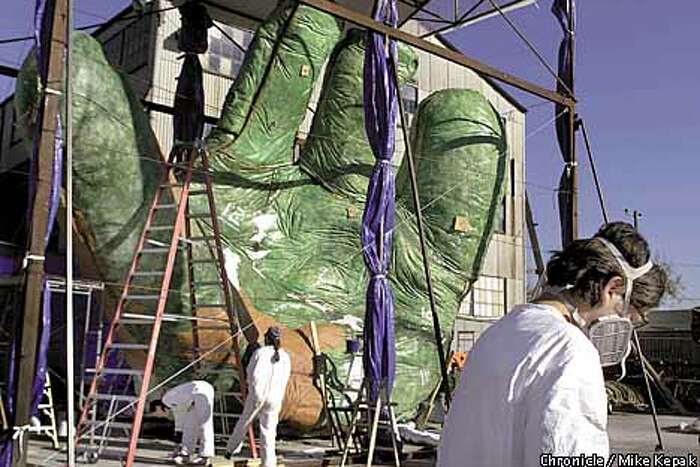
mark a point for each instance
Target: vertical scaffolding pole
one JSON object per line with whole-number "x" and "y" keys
{"x": 56, "y": 11}
{"x": 70, "y": 361}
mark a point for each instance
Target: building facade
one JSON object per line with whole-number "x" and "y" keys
{"x": 145, "y": 48}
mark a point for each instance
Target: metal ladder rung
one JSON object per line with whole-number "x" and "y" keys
{"x": 198, "y": 192}
{"x": 171, "y": 185}
{"x": 199, "y": 215}
{"x": 148, "y": 319}
{"x": 166, "y": 206}
{"x": 114, "y": 397}
{"x": 209, "y": 305}
{"x": 116, "y": 371}
{"x": 203, "y": 261}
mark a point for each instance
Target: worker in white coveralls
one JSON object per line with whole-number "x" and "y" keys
{"x": 192, "y": 406}
{"x": 532, "y": 391}
{"x": 267, "y": 375}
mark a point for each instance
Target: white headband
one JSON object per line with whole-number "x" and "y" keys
{"x": 631, "y": 273}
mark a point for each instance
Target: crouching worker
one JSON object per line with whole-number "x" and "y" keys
{"x": 533, "y": 385}
{"x": 267, "y": 375}
{"x": 192, "y": 407}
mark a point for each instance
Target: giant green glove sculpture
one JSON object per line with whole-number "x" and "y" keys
{"x": 291, "y": 226}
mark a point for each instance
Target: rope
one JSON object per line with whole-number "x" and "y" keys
{"x": 579, "y": 121}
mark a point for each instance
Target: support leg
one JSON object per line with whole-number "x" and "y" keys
{"x": 394, "y": 434}
{"x": 353, "y": 425}
{"x": 373, "y": 432}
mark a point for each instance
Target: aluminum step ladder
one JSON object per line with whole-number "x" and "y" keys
{"x": 170, "y": 224}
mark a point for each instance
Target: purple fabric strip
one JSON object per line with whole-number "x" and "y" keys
{"x": 188, "y": 121}
{"x": 380, "y": 106}
{"x": 41, "y": 364}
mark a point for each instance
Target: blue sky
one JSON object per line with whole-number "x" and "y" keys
{"x": 637, "y": 84}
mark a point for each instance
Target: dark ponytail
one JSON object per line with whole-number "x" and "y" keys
{"x": 276, "y": 356}
{"x": 273, "y": 337}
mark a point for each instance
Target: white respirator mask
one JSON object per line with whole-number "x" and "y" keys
{"x": 611, "y": 334}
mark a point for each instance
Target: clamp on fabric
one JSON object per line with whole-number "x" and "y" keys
{"x": 30, "y": 257}
{"x": 18, "y": 435}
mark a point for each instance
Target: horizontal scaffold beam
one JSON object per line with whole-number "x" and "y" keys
{"x": 439, "y": 51}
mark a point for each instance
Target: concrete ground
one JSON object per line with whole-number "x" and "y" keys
{"x": 629, "y": 433}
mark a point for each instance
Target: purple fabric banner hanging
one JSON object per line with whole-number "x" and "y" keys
{"x": 560, "y": 9}
{"x": 40, "y": 31}
{"x": 188, "y": 121}
{"x": 380, "y": 106}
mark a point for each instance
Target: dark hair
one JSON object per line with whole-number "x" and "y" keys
{"x": 155, "y": 404}
{"x": 273, "y": 337}
{"x": 588, "y": 265}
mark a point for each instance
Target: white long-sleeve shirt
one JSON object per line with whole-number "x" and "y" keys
{"x": 532, "y": 385}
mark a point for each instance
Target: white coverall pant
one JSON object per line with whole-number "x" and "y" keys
{"x": 267, "y": 383}
{"x": 193, "y": 406}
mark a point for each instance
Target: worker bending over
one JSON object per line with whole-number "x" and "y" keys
{"x": 533, "y": 385}
{"x": 267, "y": 375}
{"x": 192, "y": 407}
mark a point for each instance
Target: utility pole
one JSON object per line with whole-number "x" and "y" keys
{"x": 636, "y": 215}
{"x": 55, "y": 19}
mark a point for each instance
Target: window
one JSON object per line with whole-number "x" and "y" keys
{"x": 409, "y": 98}
{"x": 465, "y": 341}
{"x": 225, "y": 56}
{"x": 512, "y": 178}
{"x": 487, "y": 299}
{"x": 499, "y": 222}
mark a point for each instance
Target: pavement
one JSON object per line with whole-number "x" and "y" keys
{"x": 630, "y": 434}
